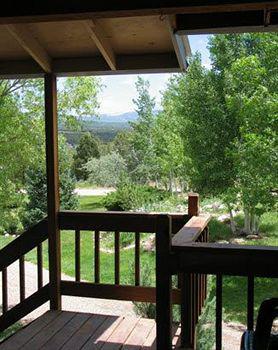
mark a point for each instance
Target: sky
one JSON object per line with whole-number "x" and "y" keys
{"x": 119, "y": 90}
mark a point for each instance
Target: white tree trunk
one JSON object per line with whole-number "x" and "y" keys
{"x": 247, "y": 222}
{"x": 232, "y": 220}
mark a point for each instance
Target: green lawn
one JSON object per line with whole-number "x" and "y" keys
{"x": 91, "y": 203}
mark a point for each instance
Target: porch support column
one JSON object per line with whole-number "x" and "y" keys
{"x": 53, "y": 200}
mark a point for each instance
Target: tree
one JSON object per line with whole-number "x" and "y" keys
{"x": 168, "y": 144}
{"x": 36, "y": 187}
{"x": 86, "y": 149}
{"x": 22, "y": 134}
{"x": 142, "y": 151}
{"x": 255, "y": 151}
{"x": 207, "y": 130}
{"x": 106, "y": 170}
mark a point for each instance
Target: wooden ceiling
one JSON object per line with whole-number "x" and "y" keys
{"x": 111, "y": 37}
{"x": 92, "y": 46}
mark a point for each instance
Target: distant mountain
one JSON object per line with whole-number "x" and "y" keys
{"x": 118, "y": 118}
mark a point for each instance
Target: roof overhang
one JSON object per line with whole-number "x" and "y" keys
{"x": 116, "y": 37}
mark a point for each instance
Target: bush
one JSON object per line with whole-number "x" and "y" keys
{"x": 107, "y": 170}
{"x": 131, "y": 196}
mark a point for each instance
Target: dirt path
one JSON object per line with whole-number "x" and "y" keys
{"x": 231, "y": 332}
{"x": 100, "y": 191}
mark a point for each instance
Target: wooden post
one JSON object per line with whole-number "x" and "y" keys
{"x": 53, "y": 201}
{"x": 163, "y": 284}
{"x": 193, "y": 204}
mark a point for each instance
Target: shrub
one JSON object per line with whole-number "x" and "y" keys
{"x": 131, "y": 196}
{"x": 107, "y": 170}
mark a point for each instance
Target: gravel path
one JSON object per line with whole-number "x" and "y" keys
{"x": 231, "y": 332}
{"x": 100, "y": 191}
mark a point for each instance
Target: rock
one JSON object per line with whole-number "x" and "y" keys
{"x": 7, "y": 235}
{"x": 149, "y": 244}
{"x": 224, "y": 218}
{"x": 237, "y": 240}
{"x": 223, "y": 242}
{"x": 253, "y": 237}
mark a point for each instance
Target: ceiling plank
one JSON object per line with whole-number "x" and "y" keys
{"x": 97, "y": 34}
{"x": 21, "y": 33}
{"x": 180, "y": 44}
{"x": 53, "y": 10}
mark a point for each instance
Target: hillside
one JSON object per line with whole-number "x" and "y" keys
{"x": 105, "y": 126}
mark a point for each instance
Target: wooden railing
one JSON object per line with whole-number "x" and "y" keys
{"x": 15, "y": 251}
{"x": 116, "y": 223}
{"x": 170, "y": 230}
{"x": 193, "y": 286}
{"x": 223, "y": 259}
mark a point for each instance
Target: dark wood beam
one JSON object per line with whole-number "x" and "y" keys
{"x": 126, "y": 64}
{"x": 53, "y": 200}
{"x": 227, "y": 22}
{"x": 53, "y": 10}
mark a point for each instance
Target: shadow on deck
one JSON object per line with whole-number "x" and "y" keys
{"x": 70, "y": 330}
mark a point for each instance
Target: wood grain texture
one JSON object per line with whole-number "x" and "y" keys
{"x": 190, "y": 231}
{"x": 69, "y": 330}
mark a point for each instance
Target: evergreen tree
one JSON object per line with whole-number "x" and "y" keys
{"x": 87, "y": 148}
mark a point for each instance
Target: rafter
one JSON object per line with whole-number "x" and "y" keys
{"x": 30, "y": 45}
{"x": 102, "y": 42}
{"x": 180, "y": 44}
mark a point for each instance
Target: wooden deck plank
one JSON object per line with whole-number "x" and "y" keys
{"x": 138, "y": 336}
{"x": 49, "y": 331}
{"x": 69, "y": 330}
{"x": 150, "y": 341}
{"x": 79, "y": 339}
{"x": 120, "y": 334}
{"x": 61, "y": 337}
{"x": 98, "y": 339}
{"x": 22, "y": 336}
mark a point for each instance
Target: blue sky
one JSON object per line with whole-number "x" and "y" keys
{"x": 119, "y": 90}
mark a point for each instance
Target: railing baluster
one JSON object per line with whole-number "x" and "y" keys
{"x": 97, "y": 279}
{"x": 137, "y": 258}
{"x": 22, "y": 278}
{"x": 250, "y": 303}
{"x": 40, "y": 266}
{"x": 187, "y": 307}
{"x": 218, "y": 323}
{"x": 4, "y": 291}
{"x": 77, "y": 255}
{"x": 117, "y": 257}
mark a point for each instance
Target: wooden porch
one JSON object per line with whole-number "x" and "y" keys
{"x": 35, "y": 43}
{"x": 69, "y": 330}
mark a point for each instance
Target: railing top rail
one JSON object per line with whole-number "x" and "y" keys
{"x": 23, "y": 244}
{"x": 228, "y": 259}
{"x": 116, "y": 221}
{"x": 190, "y": 231}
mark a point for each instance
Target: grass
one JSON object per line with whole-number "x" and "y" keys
{"x": 91, "y": 203}
{"x": 87, "y": 259}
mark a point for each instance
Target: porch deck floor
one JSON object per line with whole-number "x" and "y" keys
{"x": 70, "y": 330}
